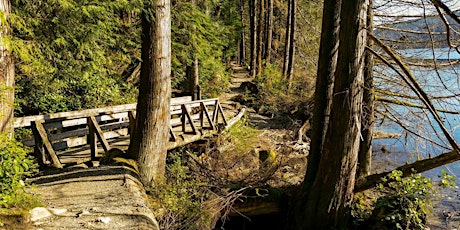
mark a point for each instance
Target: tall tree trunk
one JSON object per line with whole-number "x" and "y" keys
{"x": 193, "y": 79}
{"x": 260, "y": 32}
{"x": 149, "y": 141}
{"x": 6, "y": 71}
{"x": 253, "y": 31}
{"x": 242, "y": 41}
{"x": 329, "y": 198}
{"x": 365, "y": 149}
{"x": 287, "y": 41}
{"x": 269, "y": 31}
{"x": 290, "y": 66}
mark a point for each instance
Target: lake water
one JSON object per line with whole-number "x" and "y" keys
{"x": 409, "y": 147}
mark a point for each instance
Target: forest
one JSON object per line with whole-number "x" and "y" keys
{"x": 331, "y": 76}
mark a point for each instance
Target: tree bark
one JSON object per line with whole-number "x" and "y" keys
{"x": 253, "y": 32}
{"x": 149, "y": 141}
{"x": 329, "y": 199}
{"x": 287, "y": 40}
{"x": 242, "y": 42}
{"x": 260, "y": 42}
{"x": 269, "y": 31}
{"x": 365, "y": 149}
{"x": 6, "y": 71}
{"x": 290, "y": 66}
{"x": 327, "y": 65}
{"x": 193, "y": 78}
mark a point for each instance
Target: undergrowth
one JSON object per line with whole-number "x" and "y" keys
{"x": 401, "y": 204}
{"x": 15, "y": 165}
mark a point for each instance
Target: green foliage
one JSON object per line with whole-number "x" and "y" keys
{"x": 15, "y": 165}
{"x": 447, "y": 180}
{"x": 405, "y": 203}
{"x": 180, "y": 197}
{"x": 71, "y": 54}
{"x": 242, "y": 137}
{"x": 196, "y": 34}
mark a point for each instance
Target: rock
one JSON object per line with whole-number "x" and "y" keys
{"x": 39, "y": 213}
{"x": 57, "y": 211}
{"x": 82, "y": 213}
{"x": 104, "y": 220}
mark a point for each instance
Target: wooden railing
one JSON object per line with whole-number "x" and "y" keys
{"x": 61, "y": 131}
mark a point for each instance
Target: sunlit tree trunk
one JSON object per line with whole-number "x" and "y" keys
{"x": 149, "y": 141}
{"x": 253, "y": 35}
{"x": 365, "y": 149}
{"x": 269, "y": 31}
{"x": 260, "y": 32}
{"x": 287, "y": 40}
{"x": 6, "y": 71}
{"x": 242, "y": 41}
{"x": 328, "y": 186}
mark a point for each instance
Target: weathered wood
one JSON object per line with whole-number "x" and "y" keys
{"x": 204, "y": 112}
{"x": 43, "y": 138}
{"x": 39, "y": 149}
{"x": 100, "y": 135}
{"x": 132, "y": 121}
{"x": 172, "y": 135}
{"x": 92, "y": 141}
{"x": 235, "y": 119}
{"x": 186, "y": 116}
{"x": 26, "y": 121}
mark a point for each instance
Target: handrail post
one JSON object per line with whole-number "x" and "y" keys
{"x": 92, "y": 139}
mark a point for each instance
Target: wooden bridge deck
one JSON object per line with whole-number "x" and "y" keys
{"x": 75, "y": 137}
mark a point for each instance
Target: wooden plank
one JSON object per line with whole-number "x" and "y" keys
{"x": 26, "y": 121}
{"x": 172, "y": 135}
{"x": 204, "y": 111}
{"x": 99, "y": 134}
{"x": 48, "y": 147}
{"x": 132, "y": 121}
{"x": 80, "y": 141}
{"x": 189, "y": 118}
{"x": 39, "y": 149}
{"x": 83, "y": 121}
{"x": 221, "y": 113}
{"x": 92, "y": 141}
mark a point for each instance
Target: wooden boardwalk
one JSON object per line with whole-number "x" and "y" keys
{"x": 75, "y": 137}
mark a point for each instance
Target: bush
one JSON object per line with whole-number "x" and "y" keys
{"x": 405, "y": 203}
{"x": 178, "y": 202}
{"x": 15, "y": 165}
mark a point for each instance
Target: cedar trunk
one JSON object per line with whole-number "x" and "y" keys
{"x": 269, "y": 31}
{"x": 149, "y": 141}
{"x": 329, "y": 198}
{"x": 242, "y": 41}
{"x": 260, "y": 42}
{"x": 365, "y": 150}
{"x": 253, "y": 33}
{"x": 287, "y": 40}
{"x": 6, "y": 71}
{"x": 291, "y": 56}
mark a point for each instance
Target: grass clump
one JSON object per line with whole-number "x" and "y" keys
{"x": 242, "y": 137}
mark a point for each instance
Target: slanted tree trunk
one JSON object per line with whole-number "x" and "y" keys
{"x": 365, "y": 149}
{"x": 149, "y": 141}
{"x": 6, "y": 71}
{"x": 269, "y": 31}
{"x": 328, "y": 188}
{"x": 253, "y": 32}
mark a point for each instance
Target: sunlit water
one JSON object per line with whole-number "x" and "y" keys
{"x": 390, "y": 153}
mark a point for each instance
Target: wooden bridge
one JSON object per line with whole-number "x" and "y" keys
{"x": 75, "y": 137}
